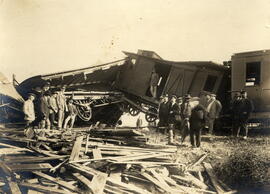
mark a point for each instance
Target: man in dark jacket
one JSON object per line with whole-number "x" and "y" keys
{"x": 174, "y": 109}
{"x": 245, "y": 109}
{"x": 197, "y": 123}
{"x": 185, "y": 114}
{"x": 163, "y": 112}
{"x": 45, "y": 111}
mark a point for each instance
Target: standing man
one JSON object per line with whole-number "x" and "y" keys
{"x": 235, "y": 110}
{"x": 53, "y": 108}
{"x": 72, "y": 113}
{"x": 163, "y": 112}
{"x": 185, "y": 114}
{"x": 246, "y": 107}
{"x": 45, "y": 111}
{"x": 214, "y": 109}
{"x": 154, "y": 83}
{"x": 29, "y": 112}
{"x": 173, "y": 110}
{"x": 197, "y": 122}
{"x": 62, "y": 106}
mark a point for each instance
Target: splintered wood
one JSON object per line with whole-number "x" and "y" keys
{"x": 100, "y": 161}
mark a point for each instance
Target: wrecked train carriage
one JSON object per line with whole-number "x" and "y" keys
{"x": 91, "y": 88}
{"x": 124, "y": 85}
{"x": 250, "y": 72}
{"x": 178, "y": 78}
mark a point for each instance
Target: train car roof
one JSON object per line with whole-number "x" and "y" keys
{"x": 252, "y": 53}
{"x": 207, "y": 64}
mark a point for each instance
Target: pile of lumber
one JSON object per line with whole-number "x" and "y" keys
{"x": 79, "y": 162}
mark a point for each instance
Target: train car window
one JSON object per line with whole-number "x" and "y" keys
{"x": 253, "y": 73}
{"x": 210, "y": 83}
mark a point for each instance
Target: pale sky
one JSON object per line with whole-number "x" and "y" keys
{"x": 46, "y": 36}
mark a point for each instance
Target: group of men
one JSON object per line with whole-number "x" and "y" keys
{"x": 241, "y": 108}
{"x": 46, "y": 109}
{"x": 188, "y": 117}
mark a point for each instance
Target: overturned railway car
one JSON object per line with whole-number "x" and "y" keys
{"x": 104, "y": 92}
{"x": 250, "y": 72}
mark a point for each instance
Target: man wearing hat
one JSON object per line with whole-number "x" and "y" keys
{"x": 235, "y": 111}
{"x": 53, "y": 108}
{"x": 245, "y": 108}
{"x": 174, "y": 109}
{"x": 72, "y": 113}
{"x": 163, "y": 112}
{"x": 185, "y": 114}
{"x": 28, "y": 109}
{"x": 62, "y": 106}
{"x": 213, "y": 110}
{"x": 45, "y": 111}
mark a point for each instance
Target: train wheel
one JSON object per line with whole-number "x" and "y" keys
{"x": 150, "y": 117}
{"x": 133, "y": 111}
{"x": 84, "y": 112}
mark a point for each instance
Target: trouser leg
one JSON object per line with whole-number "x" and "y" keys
{"x": 60, "y": 118}
{"x": 211, "y": 126}
{"x": 245, "y": 128}
{"x": 66, "y": 121}
{"x": 192, "y": 137}
{"x": 48, "y": 123}
{"x": 185, "y": 130}
{"x": 170, "y": 133}
{"x": 73, "y": 117}
{"x": 52, "y": 119}
{"x": 198, "y": 137}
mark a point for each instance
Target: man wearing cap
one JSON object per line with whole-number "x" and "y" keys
{"x": 72, "y": 113}
{"x": 213, "y": 110}
{"x": 245, "y": 108}
{"x": 235, "y": 111}
{"x": 174, "y": 109}
{"x": 45, "y": 111}
{"x": 53, "y": 108}
{"x": 185, "y": 114}
{"x": 28, "y": 109}
{"x": 163, "y": 112}
{"x": 154, "y": 83}
{"x": 62, "y": 106}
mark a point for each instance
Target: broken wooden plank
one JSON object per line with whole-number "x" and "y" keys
{"x": 98, "y": 182}
{"x": 157, "y": 182}
{"x": 213, "y": 177}
{"x": 56, "y": 180}
{"x": 199, "y": 161}
{"x": 96, "y": 153}
{"x": 14, "y": 188}
{"x": 30, "y": 167}
{"x": 86, "y": 145}
{"x": 74, "y": 156}
{"x": 126, "y": 187}
{"x": 43, "y": 188}
{"x": 83, "y": 180}
{"x": 31, "y": 159}
{"x": 196, "y": 181}
{"x": 7, "y": 151}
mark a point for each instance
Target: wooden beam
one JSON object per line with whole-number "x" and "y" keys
{"x": 83, "y": 180}
{"x": 56, "y": 180}
{"x": 31, "y": 159}
{"x": 213, "y": 177}
{"x": 74, "y": 156}
{"x": 43, "y": 188}
{"x": 14, "y": 188}
{"x": 98, "y": 182}
{"x": 30, "y": 167}
{"x": 96, "y": 153}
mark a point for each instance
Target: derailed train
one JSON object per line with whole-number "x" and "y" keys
{"x": 102, "y": 93}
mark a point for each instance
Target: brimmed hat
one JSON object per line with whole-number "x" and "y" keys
{"x": 63, "y": 87}
{"x": 174, "y": 96}
{"x": 243, "y": 92}
{"x": 213, "y": 95}
{"x": 180, "y": 98}
{"x": 237, "y": 94}
{"x": 187, "y": 96}
{"x": 31, "y": 94}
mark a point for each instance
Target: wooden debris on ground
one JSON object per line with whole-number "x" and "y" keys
{"x": 99, "y": 161}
